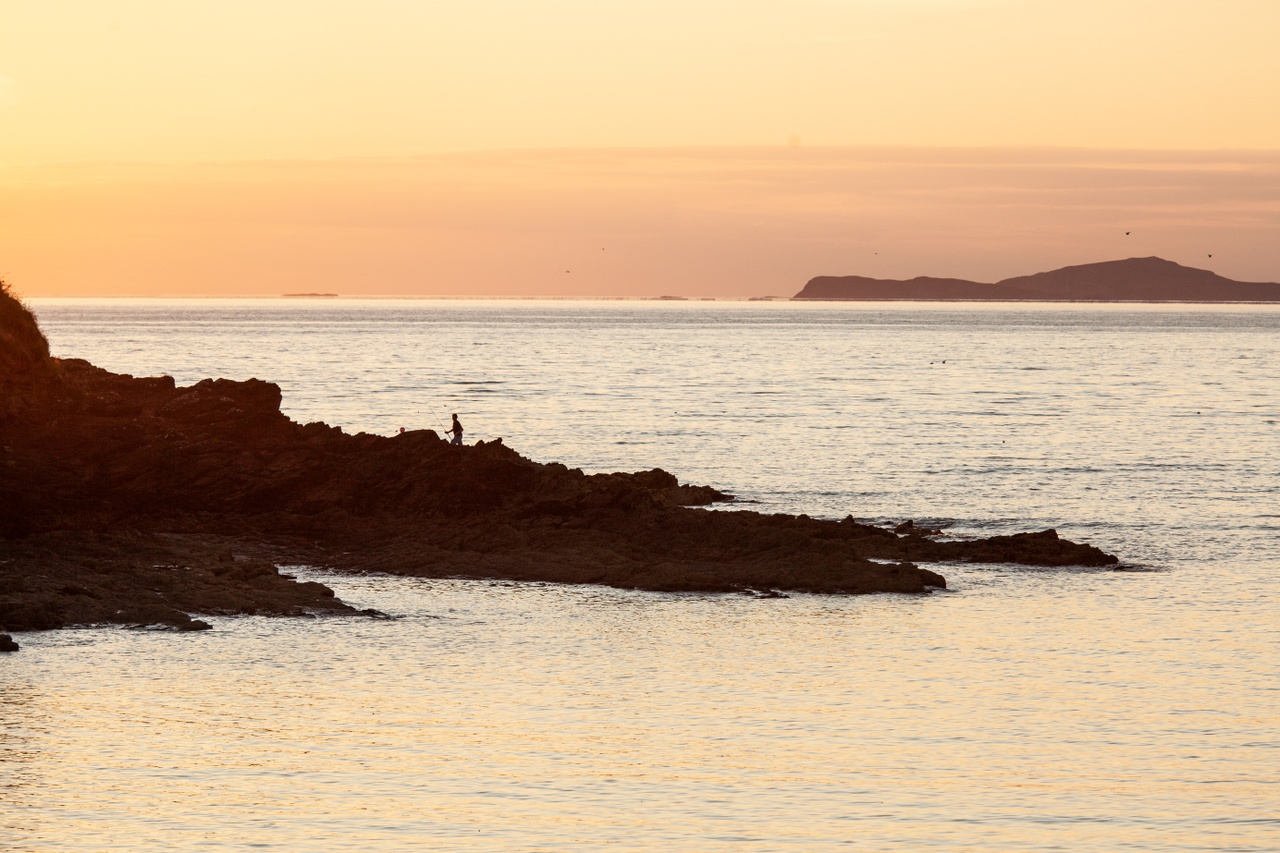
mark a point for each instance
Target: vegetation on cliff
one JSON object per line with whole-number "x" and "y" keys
{"x": 23, "y": 347}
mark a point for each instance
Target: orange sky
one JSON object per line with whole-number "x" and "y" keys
{"x": 705, "y": 148}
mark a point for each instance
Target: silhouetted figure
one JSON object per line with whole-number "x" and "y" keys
{"x": 456, "y": 429}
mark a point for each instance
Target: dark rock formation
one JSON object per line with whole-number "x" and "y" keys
{"x": 1132, "y": 280}
{"x": 63, "y": 577}
{"x": 131, "y": 500}
{"x": 920, "y": 288}
{"x": 7, "y": 644}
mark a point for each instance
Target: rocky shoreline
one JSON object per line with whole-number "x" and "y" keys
{"x": 136, "y": 502}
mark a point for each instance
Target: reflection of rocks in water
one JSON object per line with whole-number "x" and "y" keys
{"x": 138, "y": 502}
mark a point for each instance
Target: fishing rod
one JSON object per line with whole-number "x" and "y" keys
{"x": 434, "y": 415}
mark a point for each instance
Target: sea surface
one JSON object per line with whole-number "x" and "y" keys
{"x": 1021, "y": 710}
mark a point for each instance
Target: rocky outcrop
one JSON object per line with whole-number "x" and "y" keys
{"x": 139, "y": 578}
{"x": 923, "y": 288}
{"x": 132, "y": 500}
{"x": 1132, "y": 280}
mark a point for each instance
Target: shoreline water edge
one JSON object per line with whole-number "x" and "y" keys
{"x": 134, "y": 501}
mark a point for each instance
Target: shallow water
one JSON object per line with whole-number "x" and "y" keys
{"x": 1022, "y": 710}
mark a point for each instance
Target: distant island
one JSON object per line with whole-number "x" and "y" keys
{"x": 309, "y": 295}
{"x": 1132, "y": 280}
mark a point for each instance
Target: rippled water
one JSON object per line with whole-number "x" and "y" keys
{"x": 1022, "y": 710}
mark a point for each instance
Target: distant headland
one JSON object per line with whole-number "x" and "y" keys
{"x": 1132, "y": 280}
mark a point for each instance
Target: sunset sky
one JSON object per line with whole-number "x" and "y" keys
{"x": 702, "y": 148}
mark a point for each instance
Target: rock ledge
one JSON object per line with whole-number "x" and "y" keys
{"x": 135, "y": 501}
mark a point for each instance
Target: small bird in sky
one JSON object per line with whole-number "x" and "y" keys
{"x": 1211, "y": 254}
{"x": 1126, "y": 233}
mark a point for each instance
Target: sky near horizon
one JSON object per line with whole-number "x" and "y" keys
{"x": 703, "y": 148}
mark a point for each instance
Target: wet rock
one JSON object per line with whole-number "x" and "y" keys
{"x": 1044, "y": 548}
{"x": 7, "y": 644}
{"x": 909, "y": 527}
{"x": 933, "y": 579}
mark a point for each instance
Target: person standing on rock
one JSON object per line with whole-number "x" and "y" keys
{"x": 456, "y": 430}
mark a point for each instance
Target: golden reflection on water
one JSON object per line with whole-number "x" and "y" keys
{"x": 1025, "y": 710}
{"x": 1014, "y": 714}
{"x": 21, "y": 722}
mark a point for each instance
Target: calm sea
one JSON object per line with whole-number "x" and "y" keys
{"x": 1024, "y": 709}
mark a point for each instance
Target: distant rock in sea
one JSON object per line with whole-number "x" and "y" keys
{"x": 1132, "y": 280}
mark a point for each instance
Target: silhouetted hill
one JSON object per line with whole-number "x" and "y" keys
{"x": 1132, "y": 280}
